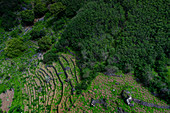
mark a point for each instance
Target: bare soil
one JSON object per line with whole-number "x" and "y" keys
{"x": 6, "y": 99}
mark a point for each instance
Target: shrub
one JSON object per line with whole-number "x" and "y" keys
{"x": 2, "y": 75}
{"x": 47, "y": 15}
{"x": 111, "y": 69}
{"x": 50, "y": 57}
{"x": 14, "y": 48}
{"x": 44, "y": 43}
{"x": 86, "y": 73}
{"x": 8, "y": 20}
{"x": 72, "y": 6}
{"x": 39, "y": 10}
{"x": 36, "y": 33}
{"x": 0, "y": 102}
{"x": 27, "y": 17}
{"x": 1, "y": 111}
{"x": 56, "y": 8}
{"x": 22, "y": 67}
{"x": 15, "y": 109}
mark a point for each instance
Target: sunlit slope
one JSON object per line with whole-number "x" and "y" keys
{"x": 51, "y": 88}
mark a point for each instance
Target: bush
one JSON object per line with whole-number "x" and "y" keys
{"x": 14, "y": 48}
{"x": 2, "y": 75}
{"x": 8, "y": 20}
{"x": 27, "y": 17}
{"x": 86, "y": 73}
{"x": 0, "y": 102}
{"x": 72, "y": 6}
{"x": 36, "y": 33}
{"x": 44, "y": 43}
{"x": 50, "y": 57}
{"x": 15, "y": 109}
{"x": 22, "y": 68}
{"x": 56, "y": 8}
{"x": 1, "y": 111}
{"x": 111, "y": 69}
{"x": 47, "y": 15}
{"x": 39, "y": 10}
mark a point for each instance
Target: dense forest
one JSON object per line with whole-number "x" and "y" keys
{"x": 126, "y": 35}
{"x": 107, "y": 36}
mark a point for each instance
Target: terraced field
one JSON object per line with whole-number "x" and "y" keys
{"x": 51, "y": 88}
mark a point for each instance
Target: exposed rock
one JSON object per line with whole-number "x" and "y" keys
{"x": 73, "y": 89}
{"x": 67, "y": 68}
{"x": 120, "y": 110}
{"x": 60, "y": 73}
{"x": 117, "y": 83}
{"x": 102, "y": 101}
{"x": 149, "y": 104}
{"x": 128, "y": 97}
{"x": 67, "y": 80}
{"x": 155, "y": 94}
{"x": 126, "y": 94}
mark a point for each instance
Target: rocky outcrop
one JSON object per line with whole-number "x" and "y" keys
{"x": 127, "y": 97}
{"x": 149, "y": 104}
{"x": 102, "y": 101}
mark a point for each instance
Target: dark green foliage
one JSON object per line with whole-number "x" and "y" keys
{"x": 15, "y": 109}
{"x": 37, "y": 33}
{"x": 8, "y": 14}
{"x": 2, "y": 75}
{"x": 7, "y": 77}
{"x": 131, "y": 35}
{"x": 15, "y": 32}
{"x": 27, "y": 17}
{"x": 96, "y": 22}
{"x": 72, "y": 6}
{"x": 56, "y": 8}
{"x": 47, "y": 15}
{"x": 1, "y": 111}
{"x": 58, "y": 25}
{"x": 0, "y": 102}
{"x": 86, "y": 73}
{"x": 14, "y": 48}
{"x": 111, "y": 69}
{"x": 50, "y": 57}
{"x": 8, "y": 20}
{"x": 22, "y": 67}
{"x": 44, "y": 43}
{"x": 39, "y": 10}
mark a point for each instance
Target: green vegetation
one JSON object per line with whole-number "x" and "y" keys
{"x": 8, "y": 14}
{"x": 53, "y": 54}
{"x": 122, "y": 36}
{"x": 39, "y": 10}
{"x": 44, "y": 43}
{"x": 14, "y": 48}
{"x": 27, "y": 17}
{"x": 57, "y": 8}
{"x": 37, "y": 33}
{"x": 0, "y": 102}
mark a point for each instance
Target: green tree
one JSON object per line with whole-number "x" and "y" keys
{"x": 37, "y": 33}
{"x": 14, "y": 48}
{"x": 44, "y": 43}
{"x": 39, "y": 10}
{"x": 56, "y": 8}
{"x": 8, "y": 9}
{"x": 27, "y": 17}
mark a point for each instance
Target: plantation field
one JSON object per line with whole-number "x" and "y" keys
{"x": 51, "y": 88}
{"x": 110, "y": 87}
{"x": 81, "y": 56}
